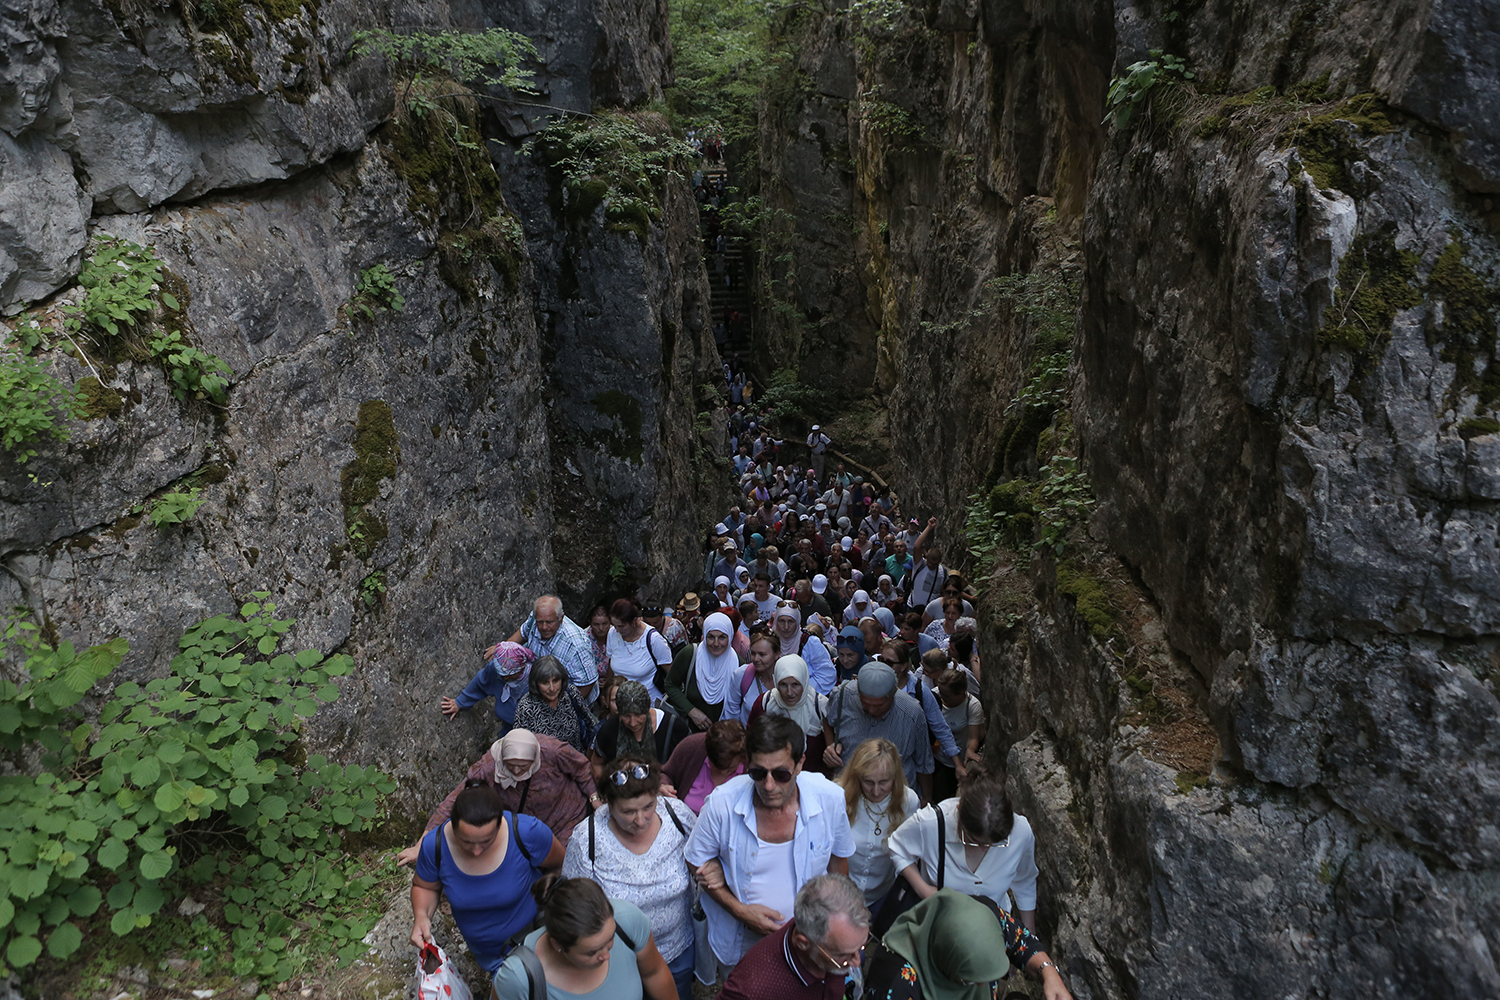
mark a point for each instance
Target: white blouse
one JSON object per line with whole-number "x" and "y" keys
{"x": 871, "y": 867}
{"x": 1008, "y": 865}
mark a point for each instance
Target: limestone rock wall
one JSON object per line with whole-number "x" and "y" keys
{"x": 1259, "y": 747}
{"x": 400, "y": 485}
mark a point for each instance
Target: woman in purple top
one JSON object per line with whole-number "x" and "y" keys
{"x": 484, "y": 860}
{"x": 705, "y": 761}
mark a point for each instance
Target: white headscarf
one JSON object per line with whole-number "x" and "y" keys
{"x": 805, "y": 713}
{"x": 518, "y": 744}
{"x": 788, "y": 647}
{"x": 711, "y": 672}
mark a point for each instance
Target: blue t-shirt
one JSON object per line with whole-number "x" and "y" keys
{"x": 490, "y": 908}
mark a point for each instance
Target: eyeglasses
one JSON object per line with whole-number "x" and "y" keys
{"x": 963, "y": 838}
{"x": 640, "y": 773}
{"x": 843, "y": 966}
{"x": 782, "y": 775}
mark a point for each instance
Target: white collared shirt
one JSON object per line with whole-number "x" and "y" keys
{"x": 727, "y": 830}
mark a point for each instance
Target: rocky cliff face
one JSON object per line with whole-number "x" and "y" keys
{"x": 401, "y": 482}
{"x": 1252, "y": 713}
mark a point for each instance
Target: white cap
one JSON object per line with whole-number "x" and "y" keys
{"x": 820, "y": 583}
{"x": 816, "y": 427}
{"x": 846, "y": 543}
{"x": 821, "y": 506}
{"x": 721, "y": 528}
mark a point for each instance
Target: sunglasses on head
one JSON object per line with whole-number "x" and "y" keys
{"x": 782, "y": 775}
{"x": 639, "y": 772}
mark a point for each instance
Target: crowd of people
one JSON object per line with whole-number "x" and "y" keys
{"x": 775, "y": 786}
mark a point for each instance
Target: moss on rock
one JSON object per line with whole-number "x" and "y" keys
{"x": 1091, "y": 598}
{"x": 1328, "y": 143}
{"x": 1468, "y": 328}
{"x": 1376, "y": 281}
{"x": 99, "y": 400}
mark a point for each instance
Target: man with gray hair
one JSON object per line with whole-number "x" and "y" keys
{"x": 808, "y": 958}
{"x": 548, "y": 632}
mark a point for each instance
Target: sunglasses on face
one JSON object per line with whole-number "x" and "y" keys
{"x": 640, "y": 773}
{"x": 782, "y": 775}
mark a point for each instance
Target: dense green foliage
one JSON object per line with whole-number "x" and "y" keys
{"x": 33, "y": 403}
{"x": 613, "y": 159}
{"x": 1128, "y": 93}
{"x": 124, "y": 291}
{"x": 376, "y": 291}
{"x": 489, "y": 57}
{"x": 786, "y": 395}
{"x": 193, "y": 779}
{"x": 177, "y": 506}
{"x": 723, "y": 55}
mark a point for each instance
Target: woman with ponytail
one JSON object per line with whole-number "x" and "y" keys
{"x": 590, "y": 946}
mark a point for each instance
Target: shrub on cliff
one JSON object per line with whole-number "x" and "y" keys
{"x": 196, "y": 779}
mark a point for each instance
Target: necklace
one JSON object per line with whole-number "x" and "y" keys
{"x": 877, "y": 819}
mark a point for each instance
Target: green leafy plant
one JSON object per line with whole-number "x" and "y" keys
{"x": 376, "y": 291}
{"x": 1064, "y": 501}
{"x": 1127, "y": 92}
{"x": 193, "y": 779}
{"x": 372, "y": 589}
{"x": 123, "y": 292}
{"x": 786, "y": 394}
{"x": 194, "y": 372}
{"x": 492, "y": 57}
{"x": 33, "y": 404}
{"x": 176, "y": 506}
{"x": 877, "y": 15}
{"x": 887, "y": 118}
{"x": 611, "y": 159}
{"x": 616, "y": 571}
{"x": 122, "y": 284}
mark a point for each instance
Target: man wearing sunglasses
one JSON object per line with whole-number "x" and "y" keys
{"x": 771, "y": 831}
{"x": 809, "y": 957}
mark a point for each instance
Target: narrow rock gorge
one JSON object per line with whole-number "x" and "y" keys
{"x": 1253, "y": 712}
{"x": 1202, "y": 387}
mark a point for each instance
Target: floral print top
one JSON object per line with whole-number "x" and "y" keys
{"x": 888, "y": 976}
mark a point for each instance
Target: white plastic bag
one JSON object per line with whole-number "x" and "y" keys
{"x": 437, "y": 979}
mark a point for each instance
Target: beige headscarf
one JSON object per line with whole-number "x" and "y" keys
{"x": 518, "y": 744}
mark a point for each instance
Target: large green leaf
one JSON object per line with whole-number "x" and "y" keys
{"x": 64, "y": 941}
{"x": 84, "y": 901}
{"x": 113, "y": 854}
{"x": 123, "y": 922}
{"x": 23, "y": 951}
{"x": 145, "y": 772}
{"x": 168, "y": 798}
{"x": 155, "y": 865}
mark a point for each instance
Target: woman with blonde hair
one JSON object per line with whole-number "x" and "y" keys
{"x": 877, "y": 800}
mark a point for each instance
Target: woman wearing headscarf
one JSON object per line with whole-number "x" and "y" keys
{"x": 793, "y": 640}
{"x": 852, "y": 654}
{"x": 503, "y": 677}
{"x": 887, "y": 619}
{"x": 954, "y": 947}
{"x": 636, "y": 729}
{"x": 533, "y": 775}
{"x": 794, "y": 698}
{"x": 701, "y": 674}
